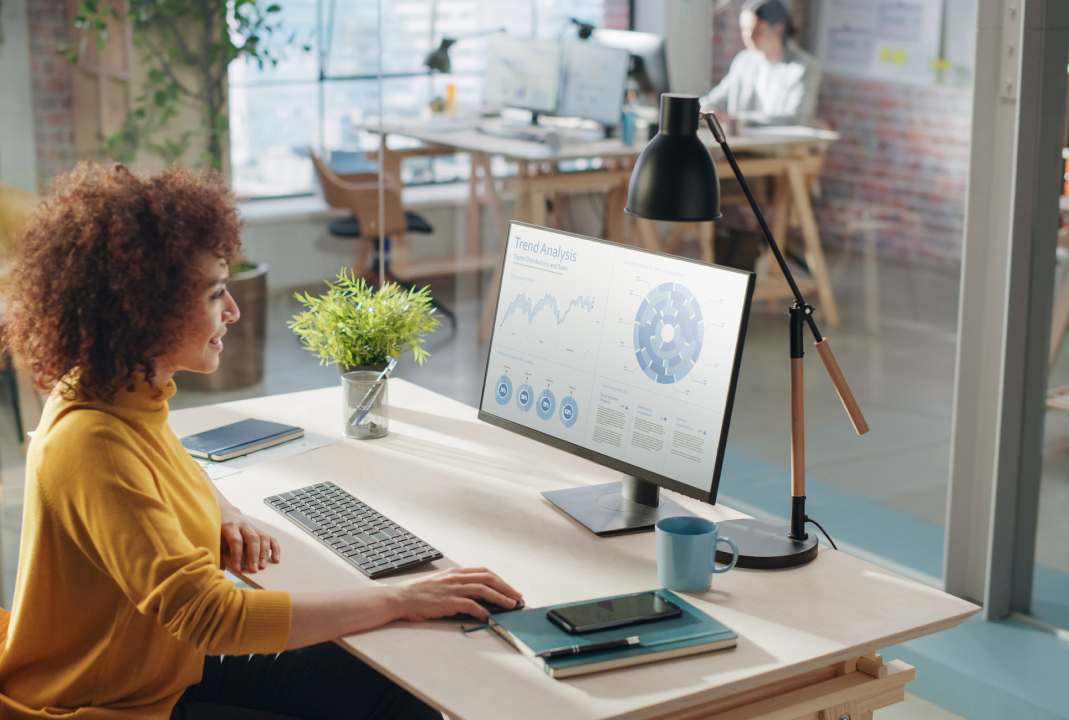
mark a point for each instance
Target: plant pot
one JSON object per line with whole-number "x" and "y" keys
{"x": 342, "y": 369}
{"x": 242, "y": 361}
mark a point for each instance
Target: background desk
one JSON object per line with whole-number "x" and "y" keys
{"x": 792, "y": 156}
{"x": 472, "y": 491}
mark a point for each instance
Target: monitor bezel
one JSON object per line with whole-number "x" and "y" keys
{"x": 605, "y": 460}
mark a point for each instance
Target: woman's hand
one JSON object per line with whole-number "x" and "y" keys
{"x": 245, "y": 546}
{"x": 451, "y": 592}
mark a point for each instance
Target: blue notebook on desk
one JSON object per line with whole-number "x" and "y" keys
{"x": 240, "y": 438}
{"x": 693, "y": 632}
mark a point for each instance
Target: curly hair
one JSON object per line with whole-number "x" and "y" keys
{"x": 104, "y": 276}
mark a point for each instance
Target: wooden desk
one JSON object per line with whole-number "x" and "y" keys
{"x": 807, "y": 636}
{"x": 790, "y": 155}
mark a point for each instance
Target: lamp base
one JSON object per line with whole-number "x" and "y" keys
{"x": 764, "y": 545}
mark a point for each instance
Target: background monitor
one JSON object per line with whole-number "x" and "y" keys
{"x": 593, "y": 82}
{"x": 649, "y": 67}
{"x": 623, "y": 356}
{"x": 522, "y": 73}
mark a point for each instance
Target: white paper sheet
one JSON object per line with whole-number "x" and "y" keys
{"x": 310, "y": 441}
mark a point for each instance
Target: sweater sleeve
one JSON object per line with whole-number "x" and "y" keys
{"x": 111, "y": 505}
{"x": 717, "y": 99}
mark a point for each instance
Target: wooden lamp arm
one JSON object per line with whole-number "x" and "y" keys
{"x": 842, "y": 387}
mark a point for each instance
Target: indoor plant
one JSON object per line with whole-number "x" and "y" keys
{"x": 357, "y": 326}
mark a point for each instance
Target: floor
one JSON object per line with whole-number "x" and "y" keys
{"x": 897, "y": 353}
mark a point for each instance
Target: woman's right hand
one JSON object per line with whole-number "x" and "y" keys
{"x": 452, "y": 592}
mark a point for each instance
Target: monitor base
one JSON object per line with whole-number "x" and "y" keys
{"x": 603, "y": 510}
{"x": 764, "y": 545}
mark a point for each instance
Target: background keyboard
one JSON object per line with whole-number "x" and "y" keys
{"x": 368, "y": 540}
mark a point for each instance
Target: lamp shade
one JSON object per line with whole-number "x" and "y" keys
{"x": 439, "y": 59}
{"x": 674, "y": 178}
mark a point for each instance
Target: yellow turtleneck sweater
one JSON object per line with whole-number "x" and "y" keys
{"x": 120, "y": 593}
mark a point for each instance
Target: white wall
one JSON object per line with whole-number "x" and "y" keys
{"x": 18, "y": 164}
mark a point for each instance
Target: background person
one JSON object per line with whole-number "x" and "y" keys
{"x": 772, "y": 81}
{"x": 121, "y": 608}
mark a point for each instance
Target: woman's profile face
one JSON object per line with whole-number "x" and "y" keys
{"x": 757, "y": 34}
{"x": 200, "y": 337}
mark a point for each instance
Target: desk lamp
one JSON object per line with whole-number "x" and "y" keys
{"x": 585, "y": 29}
{"x": 675, "y": 180}
{"x": 439, "y": 59}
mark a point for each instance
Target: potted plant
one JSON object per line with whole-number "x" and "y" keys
{"x": 359, "y": 327}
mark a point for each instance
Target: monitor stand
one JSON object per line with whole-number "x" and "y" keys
{"x": 633, "y": 504}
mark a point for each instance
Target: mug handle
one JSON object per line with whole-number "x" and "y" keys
{"x": 734, "y": 555}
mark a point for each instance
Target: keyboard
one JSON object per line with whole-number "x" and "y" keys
{"x": 366, "y": 539}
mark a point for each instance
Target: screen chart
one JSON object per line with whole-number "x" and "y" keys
{"x": 522, "y": 73}
{"x": 623, "y": 352}
{"x": 594, "y": 82}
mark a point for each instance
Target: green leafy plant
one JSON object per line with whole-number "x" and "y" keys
{"x": 353, "y": 324}
{"x": 188, "y": 45}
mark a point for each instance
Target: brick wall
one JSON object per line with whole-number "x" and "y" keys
{"x": 617, "y": 14}
{"x": 903, "y": 158}
{"x": 52, "y": 89}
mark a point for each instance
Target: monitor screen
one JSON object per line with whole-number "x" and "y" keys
{"x": 594, "y": 82}
{"x": 522, "y": 73}
{"x": 623, "y": 356}
{"x": 649, "y": 66}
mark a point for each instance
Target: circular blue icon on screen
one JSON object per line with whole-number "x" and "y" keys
{"x": 503, "y": 391}
{"x": 569, "y": 411}
{"x": 525, "y": 397}
{"x": 668, "y": 333}
{"x": 546, "y": 403}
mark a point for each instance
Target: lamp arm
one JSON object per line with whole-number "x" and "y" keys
{"x": 823, "y": 348}
{"x": 718, "y": 134}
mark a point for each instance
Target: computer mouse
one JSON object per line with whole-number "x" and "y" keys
{"x": 494, "y": 608}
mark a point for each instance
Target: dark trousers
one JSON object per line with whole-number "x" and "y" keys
{"x": 321, "y": 682}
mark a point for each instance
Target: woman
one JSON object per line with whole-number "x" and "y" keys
{"x": 121, "y": 606}
{"x": 772, "y": 81}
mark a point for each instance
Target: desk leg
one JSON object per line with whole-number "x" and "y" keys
{"x": 647, "y": 234}
{"x": 814, "y": 253}
{"x": 675, "y": 237}
{"x": 536, "y": 202}
{"x": 473, "y": 219}
{"x": 706, "y": 237}
{"x": 497, "y": 205}
{"x": 501, "y": 224}
{"x": 615, "y": 201}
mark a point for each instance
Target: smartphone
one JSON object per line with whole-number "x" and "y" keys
{"x": 615, "y": 612}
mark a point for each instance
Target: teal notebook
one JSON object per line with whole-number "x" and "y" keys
{"x": 531, "y": 632}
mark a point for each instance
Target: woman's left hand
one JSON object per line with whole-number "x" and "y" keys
{"x": 245, "y": 546}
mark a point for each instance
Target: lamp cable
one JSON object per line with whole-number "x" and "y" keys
{"x": 811, "y": 520}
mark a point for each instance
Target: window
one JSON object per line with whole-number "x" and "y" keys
{"x": 277, "y": 112}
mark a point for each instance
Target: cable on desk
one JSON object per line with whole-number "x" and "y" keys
{"x": 811, "y": 520}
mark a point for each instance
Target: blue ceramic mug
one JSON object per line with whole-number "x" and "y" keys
{"x": 686, "y": 548}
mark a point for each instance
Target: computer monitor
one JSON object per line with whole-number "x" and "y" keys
{"x": 594, "y": 82}
{"x": 626, "y": 357}
{"x": 649, "y": 66}
{"x": 522, "y": 73}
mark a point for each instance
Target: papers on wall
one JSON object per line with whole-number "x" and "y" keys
{"x": 881, "y": 39}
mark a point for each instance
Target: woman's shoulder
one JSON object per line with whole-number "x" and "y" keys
{"x": 76, "y": 437}
{"x": 796, "y": 54}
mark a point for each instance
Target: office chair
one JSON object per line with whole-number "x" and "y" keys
{"x": 359, "y": 194}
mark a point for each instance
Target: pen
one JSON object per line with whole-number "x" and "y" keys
{"x": 369, "y": 399}
{"x": 592, "y": 647}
